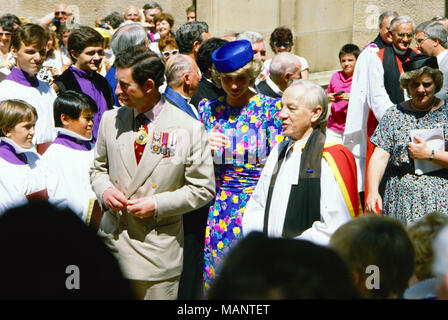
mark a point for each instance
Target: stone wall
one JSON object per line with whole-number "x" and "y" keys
{"x": 320, "y": 27}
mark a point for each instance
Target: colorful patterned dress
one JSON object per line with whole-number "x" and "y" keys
{"x": 408, "y": 196}
{"x": 253, "y": 130}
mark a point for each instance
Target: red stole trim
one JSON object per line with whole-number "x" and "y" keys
{"x": 343, "y": 164}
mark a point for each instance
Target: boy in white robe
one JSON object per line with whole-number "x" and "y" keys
{"x": 21, "y": 176}
{"x": 28, "y": 46}
{"x": 71, "y": 153}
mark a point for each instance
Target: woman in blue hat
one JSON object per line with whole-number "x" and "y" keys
{"x": 243, "y": 126}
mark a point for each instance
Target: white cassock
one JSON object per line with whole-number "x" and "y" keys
{"x": 41, "y": 98}
{"x": 72, "y": 167}
{"x": 367, "y": 93}
{"x": 19, "y": 180}
{"x": 333, "y": 209}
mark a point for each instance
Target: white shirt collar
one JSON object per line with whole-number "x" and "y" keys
{"x": 72, "y": 134}
{"x": 18, "y": 149}
{"x": 154, "y": 112}
{"x": 273, "y": 86}
{"x": 295, "y": 145}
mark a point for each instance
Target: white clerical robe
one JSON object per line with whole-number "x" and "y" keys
{"x": 367, "y": 93}
{"x": 72, "y": 168}
{"x": 19, "y": 180}
{"x": 333, "y": 209}
{"x": 41, "y": 98}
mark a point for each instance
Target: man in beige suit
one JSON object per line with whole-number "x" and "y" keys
{"x": 146, "y": 174}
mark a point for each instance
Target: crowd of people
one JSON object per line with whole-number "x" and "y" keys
{"x": 208, "y": 170}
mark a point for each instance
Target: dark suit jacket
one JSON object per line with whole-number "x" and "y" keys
{"x": 67, "y": 81}
{"x": 206, "y": 90}
{"x": 265, "y": 89}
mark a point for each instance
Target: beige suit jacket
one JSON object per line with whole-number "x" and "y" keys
{"x": 151, "y": 249}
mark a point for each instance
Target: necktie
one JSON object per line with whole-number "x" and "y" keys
{"x": 141, "y": 138}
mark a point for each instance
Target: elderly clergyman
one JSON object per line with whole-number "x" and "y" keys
{"x": 307, "y": 188}
{"x": 381, "y": 91}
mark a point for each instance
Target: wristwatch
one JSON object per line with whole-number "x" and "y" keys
{"x": 431, "y": 157}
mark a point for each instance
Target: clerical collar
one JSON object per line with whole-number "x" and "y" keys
{"x": 12, "y": 152}
{"x": 153, "y": 114}
{"x": 399, "y": 52}
{"x": 273, "y": 86}
{"x": 73, "y": 140}
{"x": 21, "y": 77}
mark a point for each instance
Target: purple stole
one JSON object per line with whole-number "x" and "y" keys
{"x": 72, "y": 143}
{"x": 21, "y": 77}
{"x": 8, "y": 153}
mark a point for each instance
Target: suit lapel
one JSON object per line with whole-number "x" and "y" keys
{"x": 126, "y": 138}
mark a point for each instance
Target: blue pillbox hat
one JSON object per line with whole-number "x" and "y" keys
{"x": 232, "y": 56}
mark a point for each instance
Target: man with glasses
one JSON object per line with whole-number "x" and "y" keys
{"x": 376, "y": 87}
{"x": 431, "y": 40}
{"x": 358, "y": 106}
{"x": 60, "y": 15}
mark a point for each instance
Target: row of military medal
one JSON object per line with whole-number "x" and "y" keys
{"x": 162, "y": 142}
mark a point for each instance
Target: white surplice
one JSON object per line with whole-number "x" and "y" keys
{"x": 19, "y": 180}
{"x": 72, "y": 168}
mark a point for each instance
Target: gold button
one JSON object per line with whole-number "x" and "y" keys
{"x": 154, "y": 186}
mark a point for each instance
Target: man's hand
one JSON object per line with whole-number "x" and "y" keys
{"x": 141, "y": 208}
{"x": 114, "y": 199}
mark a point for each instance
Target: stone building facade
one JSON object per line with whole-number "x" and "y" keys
{"x": 320, "y": 27}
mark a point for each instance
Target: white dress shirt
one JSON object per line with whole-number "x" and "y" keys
{"x": 333, "y": 209}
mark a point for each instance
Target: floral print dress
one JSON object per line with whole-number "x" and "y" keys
{"x": 409, "y": 196}
{"x": 253, "y": 130}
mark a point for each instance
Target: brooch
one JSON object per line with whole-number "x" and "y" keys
{"x": 142, "y": 136}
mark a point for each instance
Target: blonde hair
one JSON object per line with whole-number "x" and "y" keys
{"x": 14, "y": 111}
{"x": 252, "y": 68}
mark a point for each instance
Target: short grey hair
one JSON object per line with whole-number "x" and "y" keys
{"x": 434, "y": 30}
{"x": 283, "y": 62}
{"x": 400, "y": 20}
{"x": 188, "y": 33}
{"x": 152, "y": 5}
{"x": 126, "y": 36}
{"x": 315, "y": 96}
{"x": 252, "y": 36}
{"x": 175, "y": 67}
{"x": 440, "y": 248}
{"x": 385, "y": 15}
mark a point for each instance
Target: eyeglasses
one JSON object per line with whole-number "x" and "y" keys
{"x": 282, "y": 44}
{"x": 402, "y": 35}
{"x": 58, "y": 13}
{"x": 420, "y": 41}
{"x": 6, "y": 34}
{"x": 166, "y": 54}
